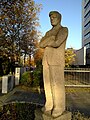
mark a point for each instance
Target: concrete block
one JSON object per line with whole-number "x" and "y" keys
{"x": 40, "y": 116}
{"x": 17, "y": 76}
{"x": 5, "y": 84}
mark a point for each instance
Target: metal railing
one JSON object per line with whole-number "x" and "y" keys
{"x": 77, "y": 76}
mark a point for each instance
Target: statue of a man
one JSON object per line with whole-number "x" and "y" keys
{"x": 53, "y": 62}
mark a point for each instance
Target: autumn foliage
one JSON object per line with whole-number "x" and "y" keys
{"x": 18, "y": 28}
{"x": 69, "y": 57}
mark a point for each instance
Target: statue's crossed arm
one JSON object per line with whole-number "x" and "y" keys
{"x": 54, "y": 40}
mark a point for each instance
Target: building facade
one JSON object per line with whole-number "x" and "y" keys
{"x": 86, "y": 28}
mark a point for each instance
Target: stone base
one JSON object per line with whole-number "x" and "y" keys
{"x": 40, "y": 116}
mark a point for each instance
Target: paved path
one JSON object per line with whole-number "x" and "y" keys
{"x": 76, "y": 98}
{"x": 23, "y": 94}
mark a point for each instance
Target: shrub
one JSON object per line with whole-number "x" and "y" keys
{"x": 26, "y": 111}
{"x": 18, "y": 111}
{"x": 38, "y": 75}
{"x": 79, "y": 116}
{"x": 34, "y": 78}
{"x": 26, "y": 79}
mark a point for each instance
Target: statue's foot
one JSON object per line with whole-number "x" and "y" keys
{"x": 45, "y": 111}
{"x": 56, "y": 113}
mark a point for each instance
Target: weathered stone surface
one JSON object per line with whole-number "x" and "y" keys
{"x": 64, "y": 116}
{"x": 53, "y": 62}
{"x": 40, "y": 116}
{"x": 17, "y": 76}
{"x": 10, "y": 82}
{"x": 5, "y": 84}
{"x": 17, "y": 70}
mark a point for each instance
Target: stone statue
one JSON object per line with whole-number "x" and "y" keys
{"x": 53, "y": 62}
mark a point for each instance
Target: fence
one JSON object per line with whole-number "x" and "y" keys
{"x": 77, "y": 76}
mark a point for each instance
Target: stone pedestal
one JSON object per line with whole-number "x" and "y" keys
{"x": 40, "y": 116}
{"x": 5, "y": 84}
{"x": 10, "y": 82}
{"x": 17, "y": 70}
{"x": 17, "y": 76}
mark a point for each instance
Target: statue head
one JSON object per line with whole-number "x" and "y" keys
{"x": 55, "y": 18}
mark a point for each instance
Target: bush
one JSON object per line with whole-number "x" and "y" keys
{"x": 79, "y": 116}
{"x": 26, "y": 79}
{"x": 34, "y": 78}
{"x": 38, "y": 75}
{"x": 26, "y": 111}
{"x": 18, "y": 111}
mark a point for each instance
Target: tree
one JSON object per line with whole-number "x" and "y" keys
{"x": 19, "y": 19}
{"x": 38, "y": 54}
{"x": 69, "y": 56}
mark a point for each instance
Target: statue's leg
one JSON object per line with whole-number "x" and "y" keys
{"x": 58, "y": 90}
{"x": 47, "y": 88}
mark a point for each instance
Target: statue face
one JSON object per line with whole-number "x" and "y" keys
{"x": 54, "y": 19}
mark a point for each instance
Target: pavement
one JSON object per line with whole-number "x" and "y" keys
{"x": 77, "y": 99}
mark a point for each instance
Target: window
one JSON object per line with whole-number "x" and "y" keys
{"x": 87, "y": 45}
{"x": 87, "y": 5}
{"x": 87, "y": 26}
{"x": 86, "y": 36}
{"x": 87, "y": 15}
